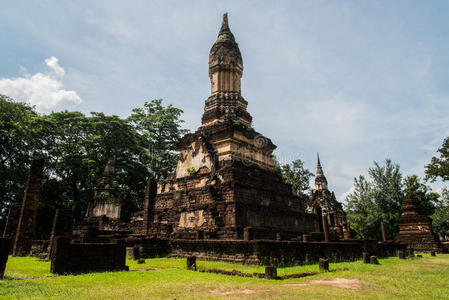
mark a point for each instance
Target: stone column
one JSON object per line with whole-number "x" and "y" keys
{"x": 12, "y": 222}
{"x": 325, "y": 228}
{"x": 27, "y": 220}
{"x": 150, "y": 197}
{"x": 62, "y": 226}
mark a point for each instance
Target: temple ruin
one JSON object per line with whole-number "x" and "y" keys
{"x": 415, "y": 228}
{"x": 225, "y": 183}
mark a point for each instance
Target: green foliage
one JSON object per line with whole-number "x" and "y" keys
{"x": 76, "y": 149}
{"x": 297, "y": 176}
{"x": 160, "y": 128}
{"x": 439, "y": 166}
{"x": 376, "y": 201}
{"x": 361, "y": 211}
{"x": 440, "y": 217}
{"x": 414, "y": 187}
{"x": 191, "y": 171}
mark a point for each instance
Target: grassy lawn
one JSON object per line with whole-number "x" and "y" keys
{"x": 163, "y": 278}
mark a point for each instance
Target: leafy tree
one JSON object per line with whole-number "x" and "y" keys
{"x": 439, "y": 166}
{"x": 160, "y": 128}
{"x": 17, "y": 142}
{"x": 361, "y": 209}
{"x": 297, "y": 176}
{"x": 387, "y": 187}
{"x": 414, "y": 187}
{"x": 440, "y": 218}
{"x": 379, "y": 198}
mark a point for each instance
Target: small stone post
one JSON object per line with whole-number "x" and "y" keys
{"x": 401, "y": 254}
{"x": 28, "y": 212}
{"x": 324, "y": 265}
{"x": 366, "y": 257}
{"x": 432, "y": 253}
{"x": 411, "y": 252}
{"x": 271, "y": 273}
{"x": 191, "y": 263}
{"x": 373, "y": 260}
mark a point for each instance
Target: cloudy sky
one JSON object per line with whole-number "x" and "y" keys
{"x": 357, "y": 81}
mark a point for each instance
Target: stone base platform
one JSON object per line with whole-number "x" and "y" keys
{"x": 266, "y": 252}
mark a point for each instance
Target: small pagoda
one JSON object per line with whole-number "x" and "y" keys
{"x": 415, "y": 228}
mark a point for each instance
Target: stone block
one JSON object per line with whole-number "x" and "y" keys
{"x": 374, "y": 260}
{"x": 271, "y": 272}
{"x": 323, "y": 265}
{"x": 191, "y": 263}
{"x": 366, "y": 257}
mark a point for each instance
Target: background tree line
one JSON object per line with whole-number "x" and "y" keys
{"x": 76, "y": 147}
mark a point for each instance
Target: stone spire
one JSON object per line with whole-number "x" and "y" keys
{"x": 225, "y": 61}
{"x": 108, "y": 174}
{"x": 225, "y": 73}
{"x": 320, "y": 179}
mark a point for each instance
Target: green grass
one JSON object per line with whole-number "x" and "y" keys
{"x": 426, "y": 278}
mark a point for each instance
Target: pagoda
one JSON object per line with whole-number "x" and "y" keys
{"x": 225, "y": 185}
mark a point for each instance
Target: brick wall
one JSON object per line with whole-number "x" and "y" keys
{"x": 82, "y": 258}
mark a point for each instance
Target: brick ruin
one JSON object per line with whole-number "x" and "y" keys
{"x": 12, "y": 222}
{"x": 69, "y": 257}
{"x": 415, "y": 228}
{"x": 328, "y": 212}
{"x": 225, "y": 182}
{"x": 224, "y": 200}
{"x": 27, "y": 220}
{"x": 105, "y": 206}
{"x": 62, "y": 227}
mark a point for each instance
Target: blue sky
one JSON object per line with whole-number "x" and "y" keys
{"x": 357, "y": 81}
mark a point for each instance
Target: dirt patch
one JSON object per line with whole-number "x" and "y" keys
{"x": 438, "y": 261}
{"x": 234, "y": 292}
{"x": 344, "y": 283}
{"x": 295, "y": 284}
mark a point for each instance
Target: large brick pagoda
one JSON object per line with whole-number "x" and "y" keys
{"x": 225, "y": 185}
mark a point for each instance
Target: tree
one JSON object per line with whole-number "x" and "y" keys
{"x": 440, "y": 218}
{"x": 297, "y": 176}
{"x": 17, "y": 143}
{"x": 387, "y": 188}
{"x": 414, "y": 187}
{"x": 160, "y": 128}
{"x": 439, "y": 166}
{"x": 379, "y": 198}
{"x": 361, "y": 209}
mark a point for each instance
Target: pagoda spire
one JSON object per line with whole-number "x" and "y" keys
{"x": 224, "y": 25}
{"x": 320, "y": 179}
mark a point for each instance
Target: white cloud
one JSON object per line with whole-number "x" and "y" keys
{"x": 52, "y": 62}
{"x": 44, "y": 90}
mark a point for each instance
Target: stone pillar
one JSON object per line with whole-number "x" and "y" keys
{"x": 401, "y": 254}
{"x": 27, "y": 220}
{"x": 366, "y": 258}
{"x": 325, "y": 228}
{"x": 191, "y": 263}
{"x": 373, "y": 260}
{"x": 5, "y": 247}
{"x": 271, "y": 273}
{"x": 62, "y": 226}
{"x": 384, "y": 233}
{"x": 12, "y": 222}
{"x": 323, "y": 265}
{"x": 150, "y": 197}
